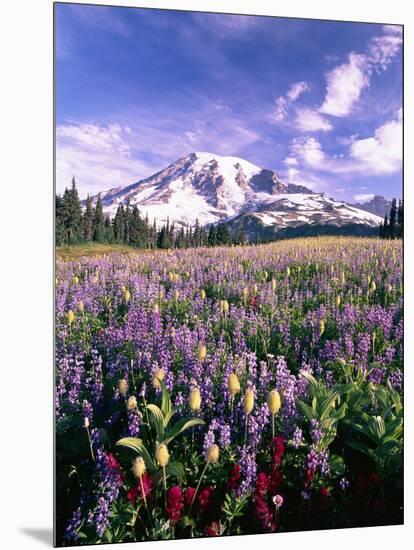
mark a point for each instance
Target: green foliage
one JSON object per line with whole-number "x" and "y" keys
{"x": 161, "y": 433}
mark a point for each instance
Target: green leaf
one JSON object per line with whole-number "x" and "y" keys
{"x": 307, "y": 411}
{"x": 180, "y": 427}
{"x": 175, "y": 469}
{"x": 166, "y": 405}
{"x": 327, "y": 404}
{"x": 313, "y": 383}
{"x": 337, "y": 465}
{"x": 158, "y": 420}
{"x": 138, "y": 446}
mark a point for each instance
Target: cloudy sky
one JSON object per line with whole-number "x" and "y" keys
{"x": 317, "y": 101}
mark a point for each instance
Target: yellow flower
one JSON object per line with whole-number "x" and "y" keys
{"x": 132, "y": 403}
{"x": 138, "y": 467}
{"x": 373, "y": 286}
{"x": 233, "y": 384}
{"x": 202, "y": 352}
{"x": 75, "y": 280}
{"x": 273, "y": 285}
{"x": 338, "y": 301}
{"x": 176, "y": 295}
{"x": 86, "y": 422}
{"x": 248, "y": 402}
{"x": 321, "y": 327}
{"x": 81, "y": 307}
{"x": 156, "y": 308}
{"x": 70, "y": 316}
{"x": 127, "y": 295}
{"x": 224, "y": 306}
{"x": 123, "y": 386}
{"x": 202, "y": 294}
{"x": 194, "y": 400}
{"x": 159, "y": 375}
{"x": 273, "y": 402}
{"x": 162, "y": 455}
{"x": 213, "y": 454}
{"x": 288, "y": 271}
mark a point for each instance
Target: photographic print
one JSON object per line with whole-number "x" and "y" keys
{"x": 229, "y": 297}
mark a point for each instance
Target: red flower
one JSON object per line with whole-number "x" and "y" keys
{"x": 309, "y": 473}
{"x": 213, "y": 530}
{"x": 278, "y": 444}
{"x": 112, "y": 462}
{"x": 235, "y": 476}
{"x": 374, "y": 480}
{"x": 132, "y": 495}
{"x": 324, "y": 499}
{"x": 174, "y": 503}
{"x": 189, "y": 495}
{"x": 204, "y": 498}
{"x": 264, "y": 514}
{"x": 275, "y": 480}
{"x": 135, "y": 491}
{"x": 262, "y": 484}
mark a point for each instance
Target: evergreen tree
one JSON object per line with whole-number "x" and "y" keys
{"x": 400, "y": 218}
{"x": 223, "y": 234}
{"x": 87, "y": 224}
{"x": 162, "y": 240}
{"x": 212, "y": 236}
{"x": 60, "y": 221}
{"x": 385, "y": 228}
{"x": 393, "y": 219}
{"x": 109, "y": 231}
{"x": 98, "y": 222}
{"x": 118, "y": 225}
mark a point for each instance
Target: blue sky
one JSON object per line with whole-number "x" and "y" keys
{"x": 317, "y": 101}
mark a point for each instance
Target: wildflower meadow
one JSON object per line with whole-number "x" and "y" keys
{"x": 230, "y": 390}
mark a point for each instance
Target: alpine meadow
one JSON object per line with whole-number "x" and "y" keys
{"x": 228, "y": 324}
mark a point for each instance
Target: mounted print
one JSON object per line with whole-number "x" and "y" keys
{"x": 229, "y": 299}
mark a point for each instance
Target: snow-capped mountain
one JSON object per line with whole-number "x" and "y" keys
{"x": 377, "y": 205}
{"x": 213, "y": 188}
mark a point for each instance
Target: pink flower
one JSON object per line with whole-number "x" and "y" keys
{"x": 277, "y": 501}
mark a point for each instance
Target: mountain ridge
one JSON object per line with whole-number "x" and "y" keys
{"x": 213, "y": 189}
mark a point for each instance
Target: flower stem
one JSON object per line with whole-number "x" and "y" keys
{"x": 198, "y": 487}
{"x": 273, "y": 425}
{"x": 245, "y": 429}
{"x": 90, "y": 444}
{"x": 165, "y": 485}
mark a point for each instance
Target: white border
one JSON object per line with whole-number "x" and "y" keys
{"x": 27, "y": 265}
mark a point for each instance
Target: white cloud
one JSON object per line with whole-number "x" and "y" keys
{"x": 283, "y": 102}
{"x": 290, "y": 161}
{"x": 344, "y": 86}
{"x": 346, "y": 82}
{"x": 383, "y": 49}
{"x": 364, "y": 197}
{"x": 296, "y": 90}
{"x": 100, "y": 157}
{"x": 309, "y": 151}
{"x": 308, "y": 120}
{"x": 381, "y": 153}
{"x": 376, "y": 155}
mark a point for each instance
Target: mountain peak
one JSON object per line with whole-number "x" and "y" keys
{"x": 212, "y": 188}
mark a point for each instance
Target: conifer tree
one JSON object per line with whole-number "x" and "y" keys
{"x": 393, "y": 219}
{"x": 87, "y": 224}
{"x": 98, "y": 222}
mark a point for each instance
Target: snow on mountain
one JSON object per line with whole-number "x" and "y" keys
{"x": 213, "y": 188}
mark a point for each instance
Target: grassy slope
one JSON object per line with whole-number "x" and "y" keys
{"x": 91, "y": 249}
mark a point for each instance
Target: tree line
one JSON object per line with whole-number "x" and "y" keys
{"x": 393, "y": 224}
{"x": 76, "y": 225}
